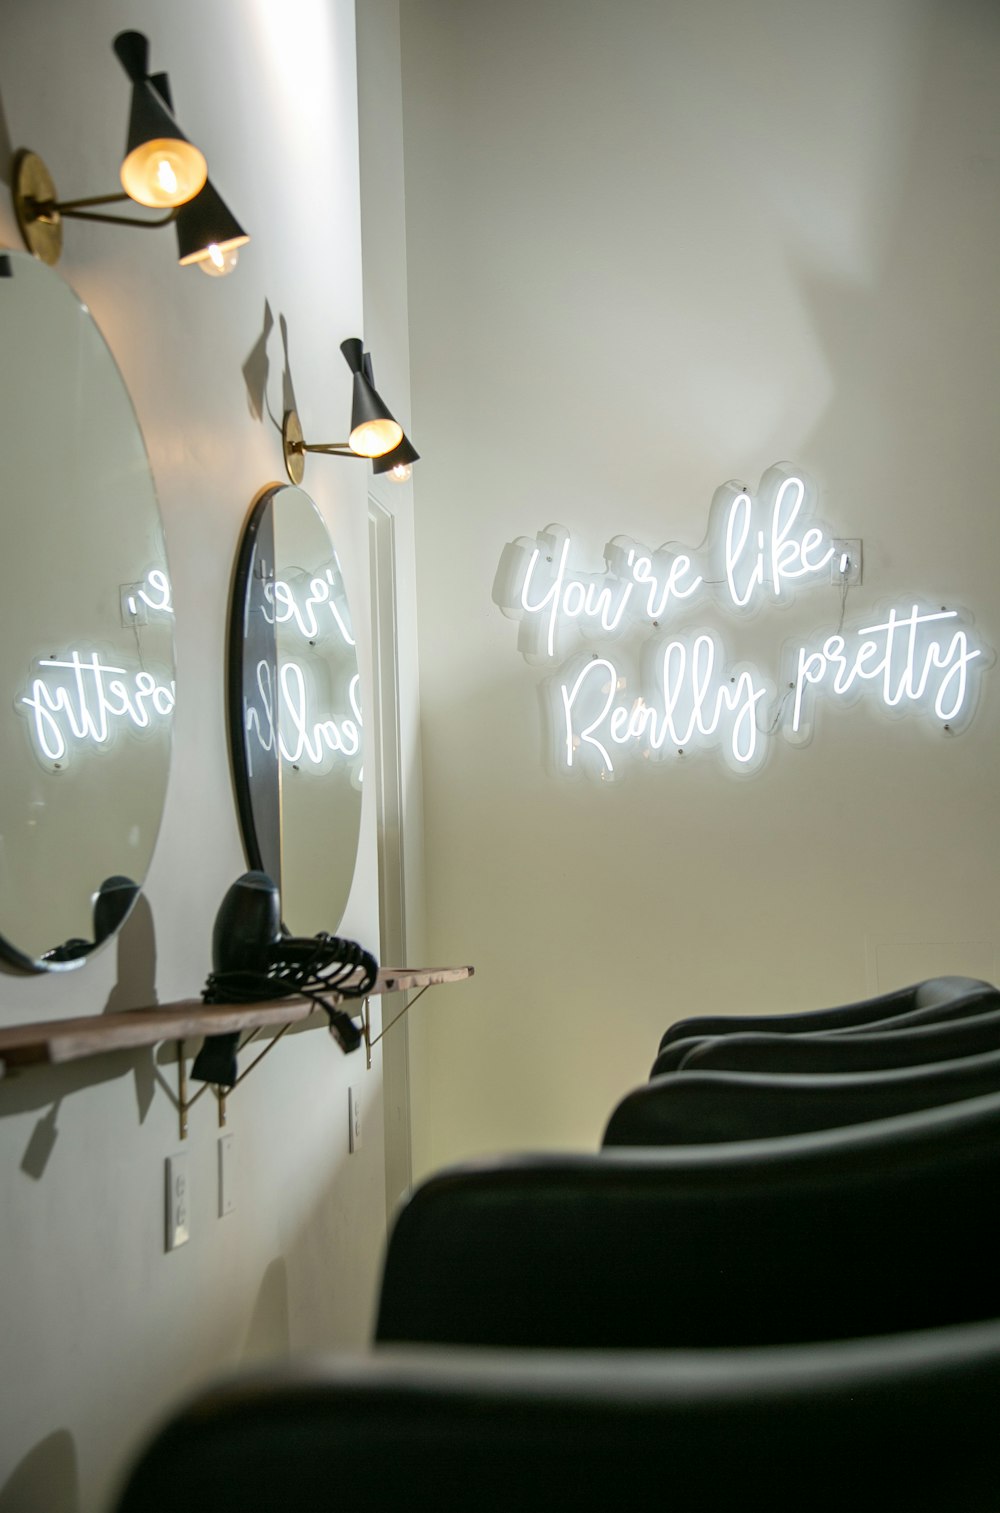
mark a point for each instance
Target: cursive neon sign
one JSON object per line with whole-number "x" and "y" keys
{"x": 153, "y": 591}
{"x": 285, "y": 605}
{"x": 79, "y": 698}
{"x": 912, "y": 659}
{"x": 759, "y": 549}
{"x": 304, "y": 740}
{"x": 598, "y": 722}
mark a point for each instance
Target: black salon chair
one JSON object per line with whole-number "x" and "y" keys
{"x": 863, "y": 1052}
{"x": 870, "y": 1229}
{"x": 705, "y": 1107}
{"x": 929, "y": 1002}
{"x": 904, "y": 1424}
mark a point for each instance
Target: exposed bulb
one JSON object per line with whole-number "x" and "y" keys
{"x": 218, "y": 261}
{"x": 166, "y": 179}
{"x": 401, "y": 473}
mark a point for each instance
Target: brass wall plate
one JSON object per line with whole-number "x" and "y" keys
{"x": 33, "y": 186}
{"x": 291, "y": 446}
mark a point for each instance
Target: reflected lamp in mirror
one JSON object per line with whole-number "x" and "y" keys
{"x": 294, "y": 710}
{"x": 161, "y": 170}
{"x": 374, "y": 434}
{"x": 86, "y": 655}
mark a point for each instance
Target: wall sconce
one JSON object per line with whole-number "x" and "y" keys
{"x": 375, "y": 433}
{"x": 161, "y": 170}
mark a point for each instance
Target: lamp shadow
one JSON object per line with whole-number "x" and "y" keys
{"x": 256, "y": 368}
{"x": 269, "y": 1334}
{"x": 6, "y": 149}
{"x": 257, "y": 372}
{"x": 46, "y": 1480}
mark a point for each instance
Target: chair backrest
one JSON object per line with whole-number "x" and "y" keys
{"x": 876, "y": 1228}
{"x": 869, "y": 1052}
{"x": 905, "y": 1424}
{"x": 692, "y": 1108}
{"x": 931, "y": 1001}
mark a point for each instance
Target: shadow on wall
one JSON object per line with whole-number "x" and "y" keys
{"x": 136, "y": 988}
{"x": 257, "y": 370}
{"x": 43, "y": 1087}
{"x": 45, "y": 1480}
{"x": 6, "y": 148}
{"x": 269, "y": 1334}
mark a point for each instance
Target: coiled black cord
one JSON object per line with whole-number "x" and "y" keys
{"x": 306, "y": 967}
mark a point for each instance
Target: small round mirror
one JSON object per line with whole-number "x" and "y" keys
{"x": 295, "y": 710}
{"x": 86, "y": 657}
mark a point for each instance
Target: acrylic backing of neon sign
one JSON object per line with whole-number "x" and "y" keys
{"x": 679, "y": 692}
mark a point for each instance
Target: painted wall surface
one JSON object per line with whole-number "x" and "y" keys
{"x": 651, "y": 248}
{"x": 101, "y": 1329}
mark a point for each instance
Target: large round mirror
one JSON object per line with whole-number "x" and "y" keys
{"x": 295, "y": 710}
{"x": 86, "y": 656}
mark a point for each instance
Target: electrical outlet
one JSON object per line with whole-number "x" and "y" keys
{"x": 178, "y": 1201}
{"x": 227, "y": 1175}
{"x": 354, "y": 1118}
{"x": 845, "y": 564}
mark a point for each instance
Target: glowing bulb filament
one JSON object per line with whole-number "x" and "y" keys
{"x": 165, "y": 177}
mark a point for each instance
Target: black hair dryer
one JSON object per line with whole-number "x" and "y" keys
{"x": 247, "y": 927}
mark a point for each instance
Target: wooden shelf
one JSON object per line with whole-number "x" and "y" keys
{"x": 56, "y": 1041}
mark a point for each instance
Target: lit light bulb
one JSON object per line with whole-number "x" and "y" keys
{"x": 401, "y": 473}
{"x": 375, "y": 437}
{"x": 164, "y": 173}
{"x": 166, "y": 178}
{"x": 218, "y": 261}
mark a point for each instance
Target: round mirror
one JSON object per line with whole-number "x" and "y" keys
{"x": 295, "y": 710}
{"x": 86, "y": 658}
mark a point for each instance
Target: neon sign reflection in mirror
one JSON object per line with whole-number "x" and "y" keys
{"x": 153, "y": 592}
{"x": 307, "y": 743}
{"x": 83, "y": 699}
{"x": 287, "y": 608}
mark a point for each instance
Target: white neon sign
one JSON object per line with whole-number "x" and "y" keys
{"x": 79, "y": 698}
{"x": 759, "y": 548}
{"x": 305, "y": 740}
{"x": 292, "y": 604}
{"x": 913, "y": 659}
{"x": 154, "y": 592}
{"x": 598, "y": 721}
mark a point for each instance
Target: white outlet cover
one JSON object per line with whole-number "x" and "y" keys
{"x": 354, "y": 1119}
{"x": 178, "y": 1194}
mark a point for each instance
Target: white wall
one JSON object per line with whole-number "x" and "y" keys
{"x": 652, "y": 247}
{"x": 101, "y": 1329}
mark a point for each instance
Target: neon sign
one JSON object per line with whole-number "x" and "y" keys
{"x": 287, "y": 608}
{"x": 80, "y": 698}
{"x": 683, "y": 695}
{"x": 153, "y": 592}
{"x": 302, "y": 740}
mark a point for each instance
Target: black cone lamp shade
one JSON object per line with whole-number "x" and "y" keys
{"x": 374, "y": 431}
{"x": 399, "y": 462}
{"x": 161, "y": 167}
{"x": 208, "y": 234}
